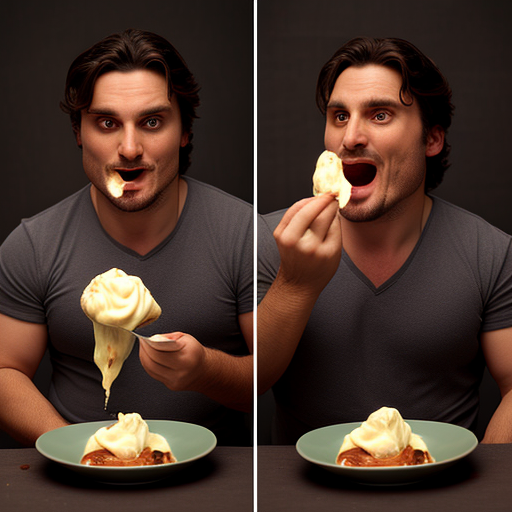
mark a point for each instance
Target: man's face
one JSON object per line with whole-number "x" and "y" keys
{"x": 132, "y": 128}
{"x": 379, "y": 139}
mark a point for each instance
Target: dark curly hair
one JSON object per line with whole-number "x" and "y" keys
{"x": 421, "y": 79}
{"x": 127, "y": 51}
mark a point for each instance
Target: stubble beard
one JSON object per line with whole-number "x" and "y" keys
{"x": 390, "y": 208}
{"x": 129, "y": 202}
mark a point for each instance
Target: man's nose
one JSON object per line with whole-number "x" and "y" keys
{"x": 355, "y": 134}
{"x": 130, "y": 145}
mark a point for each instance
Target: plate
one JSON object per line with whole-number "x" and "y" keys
{"x": 188, "y": 443}
{"x": 446, "y": 443}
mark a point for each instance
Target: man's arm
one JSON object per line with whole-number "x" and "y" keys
{"x": 497, "y": 348}
{"x": 25, "y": 413}
{"x": 186, "y": 365}
{"x": 309, "y": 242}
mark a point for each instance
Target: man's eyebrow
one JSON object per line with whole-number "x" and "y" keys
{"x": 371, "y": 103}
{"x": 158, "y": 109}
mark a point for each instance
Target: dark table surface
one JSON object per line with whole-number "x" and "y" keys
{"x": 222, "y": 481}
{"x": 481, "y": 481}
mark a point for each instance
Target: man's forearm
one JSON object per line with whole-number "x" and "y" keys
{"x": 228, "y": 379}
{"x": 499, "y": 429}
{"x": 25, "y": 413}
{"x": 282, "y": 317}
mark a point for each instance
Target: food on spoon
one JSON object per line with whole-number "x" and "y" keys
{"x": 127, "y": 443}
{"x": 113, "y": 300}
{"x": 384, "y": 439}
{"x": 329, "y": 178}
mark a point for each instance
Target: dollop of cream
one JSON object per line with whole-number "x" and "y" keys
{"x": 384, "y": 434}
{"x": 115, "y": 300}
{"x": 127, "y": 438}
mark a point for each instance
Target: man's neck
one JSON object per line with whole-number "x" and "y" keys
{"x": 144, "y": 230}
{"x": 379, "y": 248}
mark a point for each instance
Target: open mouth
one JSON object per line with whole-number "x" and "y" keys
{"x": 359, "y": 175}
{"x": 130, "y": 175}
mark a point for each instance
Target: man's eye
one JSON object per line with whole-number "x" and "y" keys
{"x": 381, "y": 116}
{"x": 341, "y": 117}
{"x": 153, "y": 122}
{"x": 107, "y": 123}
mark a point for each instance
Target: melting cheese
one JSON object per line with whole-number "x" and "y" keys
{"x": 113, "y": 300}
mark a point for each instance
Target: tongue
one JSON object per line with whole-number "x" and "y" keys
{"x": 359, "y": 175}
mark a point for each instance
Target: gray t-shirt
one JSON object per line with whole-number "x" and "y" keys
{"x": 412, "y": 343}
{"x": 201, "y": 276}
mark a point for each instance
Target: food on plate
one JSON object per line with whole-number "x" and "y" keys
{"x": 115, "y": 301}
{"x": 384, "y": 439}
{"x": 127, "y": 443}
{"x": 329, "y": 178}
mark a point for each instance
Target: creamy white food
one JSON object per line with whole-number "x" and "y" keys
{"x": 115, "y": 184}
{"x": 329, "y": 178}
{"x": 127, "y": 438}
{"x": 383, "y": 435}
{"x": 113, "y": 300}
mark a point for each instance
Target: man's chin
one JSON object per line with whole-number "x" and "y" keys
{"x": 132, "y": 202}
{"x": 362, "y": 213}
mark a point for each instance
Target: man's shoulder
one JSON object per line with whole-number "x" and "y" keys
{"x": 458, "y": 219}
{"x": 272, "y": 219}
{"x": 59, "y": 211}
{"x": 211, "y": 194}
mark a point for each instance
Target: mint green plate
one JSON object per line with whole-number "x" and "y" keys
{"x": 188, "y": 443}
{"x": 446, "y": 443}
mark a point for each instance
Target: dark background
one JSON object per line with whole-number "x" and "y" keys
{"x": 39, "y": 40}
{"x": 41, "y": 163}
{"x": 468, "y": 39}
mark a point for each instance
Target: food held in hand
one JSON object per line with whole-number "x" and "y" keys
{"x": 329, "y": 178}
{"x": 113, "y": 300}
{"x": 127, "y": 443}
{"x": 384, "y": 439}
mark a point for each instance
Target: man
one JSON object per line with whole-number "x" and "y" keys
{"x": 399, "y": 299}
{"x": 132, "y": 101}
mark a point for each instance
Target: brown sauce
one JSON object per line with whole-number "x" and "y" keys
{"x": 147, "y": 457}
{"x": 408, "y": 457}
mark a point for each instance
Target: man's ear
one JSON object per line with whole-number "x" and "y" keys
{"x": 435, "y": 141}
{"x": 78, "y": 138}
{"x": 184, "y": 139}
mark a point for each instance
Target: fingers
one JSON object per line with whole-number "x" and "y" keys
{"x": 176, "y": 362}
{"x": 170, "y": 342}
{"x": 313, "y": 215}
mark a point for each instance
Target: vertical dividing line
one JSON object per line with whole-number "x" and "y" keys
{"x": 255, "y": 255}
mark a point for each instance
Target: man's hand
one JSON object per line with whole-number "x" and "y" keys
{"x": 179, "y": 363}
{"x": 184, "y": 364}
{"x": 309, "y": 242}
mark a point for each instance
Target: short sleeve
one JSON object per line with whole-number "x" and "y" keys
{"x": 21, "y": 289}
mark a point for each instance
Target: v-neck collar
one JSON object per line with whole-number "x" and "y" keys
{"x": 162, "y": 244}
{"x": 398, "y": 274}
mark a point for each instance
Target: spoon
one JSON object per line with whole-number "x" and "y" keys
{"x": 156, "y": 338}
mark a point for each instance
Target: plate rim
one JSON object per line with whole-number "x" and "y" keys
{"x": 102, "y": 423}
{"x": 387, "y": 469}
